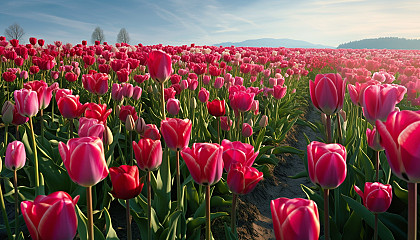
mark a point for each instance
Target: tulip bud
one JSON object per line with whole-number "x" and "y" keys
{"x": 129, "y": 123}
{"x": 263, "y": 121}
{"x": 173, "y": 106}
{"x": 250, "y": 122}
{"x": 7, "y": 112}
{"x": 140, "y": 124}
{"x": 108, "y": 137}
{"x": 118, "y": 109}
{"x": 193, "y": 103}
{"x": 225, "y": 123}
{"x": 246, "y": 130}
{"x": 15, "y": 156}
{"x": 1, "y": 164}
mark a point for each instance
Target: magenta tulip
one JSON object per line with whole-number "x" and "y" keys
{"x": 279, "y": 91}
{"x": 246, "y": 130}
{"x": 176, "y": 132}
{"x": 159, "y": 65}
{"x": 151, "y": 131}
{"x": 51, "y": 217}
{"x": 242, "y": 179}
{"x": 238, "y": 152}
{"x": 377, "y": 196}
{"x": 126, "y": 183}
{"x": 373, "y": 139}
{"x": 44, "y": 92}
{"x": 203, "y": 95}
{"x": 84, "y": 160}
{"x": 241, "y": 101}
{"x": 90, "y": 127}
{"x": 70, "y": 106}
{"x": 327, "y": 164}
{"x": 225, "y": 123}
{"x": 400, "y": 137}
{"x": 148, "y": 154}
{"x": 95, "y": 83}
{"x": 295, "y": 219}
{"x": 26, "y": 102}
{"x": 327, "y": 92}
{"x": 173, "y": 106}
{"x": 204, "y": 161}
{"x": 15, "y": 156}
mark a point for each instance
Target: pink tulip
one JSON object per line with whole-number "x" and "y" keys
{"x": 151, "y": 131}
{"x": 127, "y": 90}
{"x": 218, "y": 83}
{"x": 204, "y": 161}
{"x": 242, "y": 179}
{"x": 356, "y": 91}
{"x": 173, "y": 106}
{"x": 279, "y": 91}
{"x": 84, "y": 160}
{"x": 176, "y": 132}
{"x": 246, "y": 130}
{"x": 225, "y": 123}
{"x": 70, "y": 106}
{"x": 159, "y": 65}
{"x": 238, "y": 152}
{"x": 241, "y": 101}
{"x": 296, "y": 219}
{"x": 15, "y": 156}
{"x": 377, "y": 196}
{"x": 327, "y": 92}
{"x": 116, "y": 92}
{"x": 44, "y": 92}
{"x": 327, "y": 164}
{"x": 137, "y": 93}
{"x": 90, "y": 127}
{"x": 95, "y": 83}
{"x": 51, "y": 217}
{"x": 148, "y": 154}
{"x": 126, "y": 183}
{"x": 378, "y": 101}
{"x": 400, "y": 138}
{"x": 127, "y": 110}
{"x": 26, "y": 102}
{"x": 373, "y": 139}
{"x": 203, "y": 95}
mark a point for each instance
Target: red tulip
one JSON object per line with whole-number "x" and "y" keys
{"x": 9, "y": 76}
{"x": 159, "y": 65}
{"x": 89, "y": 60}
{"x": 148, "y": 154}
{"x": 176, "y": 132}
{"x": 90, "y": 127}
{"x": 295, "y": 219}
{"x": 327, "y": 92}
{"x": 246, "y": 130}
{"x": 15, "y": 156}
{"x": 373, "y": 139}
{"x": 151, "y": 131}
{"x": 204, "y": 161}
{"x": 127, "y": 110}
{"x": 216, "y": 107}
{"x": 126, "y": 183}
{"x": 41, "y": 42}
{"x": 71, "y": 77}
{"x": 26, "y": 102}
{"x": 225, "y": 123}
{"x": 327, "y": 164}
{"x": 70, "y": 106}
{"x": 84, "y": 160}
{"x": 238, "y": 152}
{"x": 32, "y": 40}
{"x": 123, "y": 75}
{"x": 51, "y": 217}
{"x": 95, "y": 83}
{"x": 203, "y": 95}
{"x": 141, "y": 78}
{"x": 377, "y": 196}
{"x": 400, "y": 138}
{"x": 173, "y": 106}
{"x": 242, "y": 179}
{"x": 279, "y": 92}
{"x": 97, "y": 111}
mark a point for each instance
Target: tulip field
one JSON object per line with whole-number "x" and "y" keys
{"x": 177, "y": 135}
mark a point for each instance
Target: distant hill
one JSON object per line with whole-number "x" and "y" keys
{"x": 383, "y": 43}
{"x": 273, "y": 42}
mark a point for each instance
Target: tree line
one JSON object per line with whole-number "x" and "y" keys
{"x": 383, "y": 43}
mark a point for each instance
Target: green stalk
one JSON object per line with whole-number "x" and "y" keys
{"x": 218, "y": 129}
{"x": 42, "y": 123}
{"x": 149, "y": 207}
{"x": 328, "y": 129}
{"x": 326, "y": 214}
{"x": 375, "y": 235}
{"x": 5, "y": 219}
{"x": 16, "y": 203}
{"x": 178, "y": 182}
{"x": 377, "y": 165}
{"x": 128, "y": 218}
{"x": 412, "y": 211}
{"x": 208, "y": 228}
{"x": 163, "y": 100}
{"x": 71, "y": 128}
{"x": 35, "y": 158}
{"x": 6, "y": 133}
{"x": 233, "y": 214}
{"x": 89, "y": 212}
{"x": 340, "y": 131}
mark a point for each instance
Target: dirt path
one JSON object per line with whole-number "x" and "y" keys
{"x": 254, "y": 213}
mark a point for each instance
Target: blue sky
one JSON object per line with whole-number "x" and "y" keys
{"x": 177, "y": 22}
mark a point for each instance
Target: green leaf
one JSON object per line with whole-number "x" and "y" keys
{"x": 197, "y": 222}
{"x": 353, "y": 227}
{"x": 287, "y": 149}
{"x": 396, "y": 223}
{"x": 228, "y": 233}
{"x": 400, "y": 192}
{"x": 312, "y": 195}
{"x": 259, "y": 139}
{"x": 82, "y": 227}
{"x": 109, "y": 231}
{"x": 302, "y": 174}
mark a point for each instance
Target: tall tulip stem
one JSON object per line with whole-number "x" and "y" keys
{"x": 178, "y": 182}
{"x": 163, "y": 100}
{"x": 375, "y": 234}
{"x": 412, "y": 211}
{"x": 128, "y": 218}
{"x": 233, "y": 214}
{"x": 89, "y": 212}
{"x": 328, "y": 129}
{"x": 5, "y": 219}
{"x": 71, "y": 128}
{"x": 41, "y": 114}
{"x": 218, "y": 129}
{"x": 6, "y": 133}
{"x": 35, "y": 158}
{"x": 377, "y": 165}
{"x": 149, "y": 206}
{"x": 326, "y": 214}
{"x": 340, "y": 131}
{"x": 208, "y": 229}
{"x": 16, "y": 203}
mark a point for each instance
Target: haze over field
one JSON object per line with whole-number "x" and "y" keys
{"x": 177, "y": 22}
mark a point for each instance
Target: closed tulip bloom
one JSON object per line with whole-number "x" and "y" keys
{"x": 176, "y": 132}
{"x": 18, "y": 119}
{"x": 238, "y": 152}
{"x": 148, "y": 154}
{"x": 377, "y": 196}
{"x": 247, "y": 130}
{"x": 327, "y": 164}
{"x": 127, "y": 110}
{"x": 26, "y": 102}
{"x": 225, "y": 123}
{"x": 242, "y": 179}
{"x": 51, "y": 217}
{"x": 159, "y": 65}
{"x": 216, "y": 107}
{"x": 44, "y": 92}
{"x": 127, "y": 90}
{"x": 241, "y": 101}
{"x": 95, "y": 83}
{"x": 378, "y": 101}
{"x": 204, "y": 161}
{"x": 327, "y": 92}
{"x": 116, "y": 92}
{"x": 173, "y": 106}
{"x": 84, "y": 160}
{"x": 70, "y": 106}
{"x": 123, "y": 75}
{"x": 71, "y": 77}
{"x": 203, "y": 95}
{"x": 296, "y": 219}
{"x": 151, "y": 131}
{"x": 137, "y": 92}
{"x": 373, "y": 139}
{"x": 218, "y": 82}
{"x": 400, "y": 137}
{"x": 15, "y": 156}
{"x": 126, "y": 183}
{"x": 279, "y": 92}
{"x": 90, "y": 127}
{"x": 7, "y": 112}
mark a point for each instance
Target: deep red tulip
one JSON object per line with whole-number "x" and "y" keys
{"x": 95, "y": 83}
{"x": 151, "y": 131}
{"x": 41, "y": 42}
{"x": 70, "y": 106}
{"x": 97, "y": 111}
{"x": 377, "y": 196}
{"x": 26, "y": 102}
{"x": 176, "y": 132}
{"x": 246, "y": 130}
{"x": 225, "y": 123}
{"x": 33, "y": 69}
{"x": 51, "y": 217}
{"x": 127, "y": 110}
{"x": 159, "y": 65}
{"x": 9, "y": 76}
{"x": 141, "y": 78}
{"x": 238, "y": 152}
{"x": 327, "y": 164}
{"x": 296, "y": 219}
{"x": 327, "y": 92}
{"x": 216, "y": 107}
{"x": 126, "y": 183}
{"x": 204, "y": 161}
{"x": 32, "y": 40}
{"x": 71, "y": 77}
{"x": 123, "y": 75}
{"x": 148, "y": 154}
{"x": 84, "y": 160}
{"x": 15, "y": 156}
{"x": 89, "y": 60}
{"x": 242, "y": 179}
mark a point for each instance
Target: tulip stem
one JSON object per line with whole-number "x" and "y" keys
{"x": 35, "y": 158}
{"x": 377, "y": 165}
{"x": 5, "y": 219}
{"x": 375, "y": 234}
{"x": 340, "y": 131}
{"x": 163, "y": 100}
{"x": 52, "y": 110}
{"x": 130, "y": 146}
{"x": 16, "y": 202}
{"x": 218, "y": 130}
{"x": 6, "y": 130}
{"x": 128, "y": 218}
{"x": 89, "y": 212}
{"x": 149, "y": 206}
{"x": 42, "y": 123}
{"x": 71, "y": 128}
{"x": 208, "y": 229}
{"x": 412, "y": 211}
{"x": 178, "y": 181}
{"x": 328, "y": 129}
{"x": 233, "y": 215}
{"x": 326, "y": 214}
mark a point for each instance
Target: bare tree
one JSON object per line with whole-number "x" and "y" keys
{"x": 123, "y": 36}
{"x": 14, "y": 31}
{"x": 98, "y": 35}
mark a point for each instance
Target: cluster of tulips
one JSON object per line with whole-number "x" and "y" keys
{"x": 207, "y": 152}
